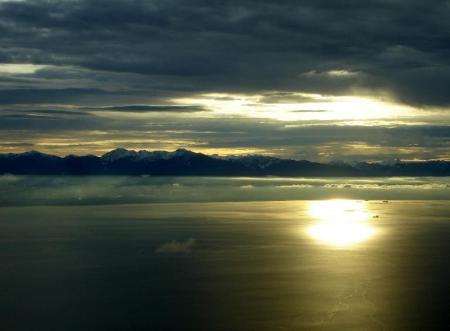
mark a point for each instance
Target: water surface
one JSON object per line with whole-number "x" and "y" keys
{"x": 329, "y": 264}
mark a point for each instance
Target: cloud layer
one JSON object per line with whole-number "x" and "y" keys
{"x": 129, "y": 67}
{"x": 397, "y": 46}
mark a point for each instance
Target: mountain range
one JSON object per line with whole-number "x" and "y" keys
{"x": 183, "y": 162}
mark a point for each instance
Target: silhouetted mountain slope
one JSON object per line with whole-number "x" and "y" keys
{"x": 183, "y": 162}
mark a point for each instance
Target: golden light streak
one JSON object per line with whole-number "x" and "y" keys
{"x": 19, "y": 68}
{"x": 340, "y": 223}
{"x": 317, "y": 107}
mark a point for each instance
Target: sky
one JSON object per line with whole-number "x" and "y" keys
{"x": 321, "y": 80}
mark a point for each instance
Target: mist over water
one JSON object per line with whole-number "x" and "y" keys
{"x": 82, "y": 190}
{"x": 132, "y": 253}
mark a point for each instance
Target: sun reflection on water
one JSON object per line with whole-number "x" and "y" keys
{"x": 340, "y": 223}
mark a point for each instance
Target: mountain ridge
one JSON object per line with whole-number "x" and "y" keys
{"x": 183, "y": 162}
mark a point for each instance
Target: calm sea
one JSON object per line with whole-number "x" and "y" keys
{"x": 179, "y": 253}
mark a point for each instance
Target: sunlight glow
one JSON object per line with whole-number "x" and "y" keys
{"x": 19, "y": 68}
{"x": 340, "y": 223}
{"x": 308, "y": 107}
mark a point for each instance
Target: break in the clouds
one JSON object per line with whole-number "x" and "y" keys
{"x": 292, "y": 78}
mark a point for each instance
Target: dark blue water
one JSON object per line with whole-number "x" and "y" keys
{"x": 226, "y": 266}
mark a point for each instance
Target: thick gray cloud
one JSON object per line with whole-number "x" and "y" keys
{"x": 62, "y": 134}
{"x": 35, "y": 96}
{"x": 107, "y": 72}
{"x": 399, "y": 46}
{"x": 151, "y": 108}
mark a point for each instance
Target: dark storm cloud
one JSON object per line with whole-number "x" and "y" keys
{"x": 41, "y": 112}
{"x": 47, "y": 96}
{"x": 400, "y": 47}
{"x": 109, "y": 72}
{"x": 152, "y": 108}
{"x": 48, "y": 123}
{"x": 58, "y": 112}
